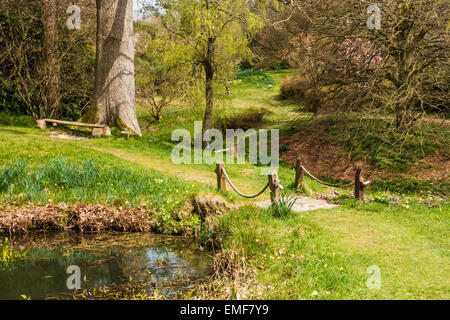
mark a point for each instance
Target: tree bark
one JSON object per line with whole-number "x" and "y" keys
{"x": 51, "y": 90}
{"x": 114, "y": 74}
{"x": 209, "y": 87}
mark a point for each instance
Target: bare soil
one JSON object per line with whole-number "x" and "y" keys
{"x": 302, "y": 204}
{"x": 65, "y": 136}
{"x": 324, "y": 159}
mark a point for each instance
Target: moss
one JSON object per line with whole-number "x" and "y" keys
{"x": 91, "y": 116}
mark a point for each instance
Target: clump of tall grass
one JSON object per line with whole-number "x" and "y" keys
{"x": 11, "y": 173}
{"x": 283, "y": 208}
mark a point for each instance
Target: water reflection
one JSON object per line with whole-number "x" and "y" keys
{"x": 104, "y": 259}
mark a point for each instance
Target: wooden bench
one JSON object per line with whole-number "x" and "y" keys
{"x": 97, "y": 129}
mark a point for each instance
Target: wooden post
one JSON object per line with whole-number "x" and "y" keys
{"x": 359, "y": 185}
{"x": 299, "y": 173}
{"x": 221, "y": 180}
{"x": 274, "y": 186}
{"x": 41, "y": 123}
{"x": 97, "y": 132}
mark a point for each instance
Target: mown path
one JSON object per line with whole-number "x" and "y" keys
{"x": 188, "y": 173}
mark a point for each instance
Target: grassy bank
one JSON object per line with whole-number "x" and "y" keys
{"x": 325, "y": 254}
{"x": 36, "y": 168}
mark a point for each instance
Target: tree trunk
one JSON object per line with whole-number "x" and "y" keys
{"x": 404, "y": 113}
{"x": 404, "y": 119}
{"x": 51, "y": 90}
{"x": 114, "y": 74}
{"x": 227, "y": 87}
{"x": 209, "y": 87}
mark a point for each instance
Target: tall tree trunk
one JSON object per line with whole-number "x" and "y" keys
{"x": 114, "y": 74}
{"x": 209, "y": 87}
{"x": 405, "y": 111}
{"x": 51, "y": 92}
{"x": 404, "y": 118}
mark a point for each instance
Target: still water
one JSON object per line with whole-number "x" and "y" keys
{"x": 103, "y": 258}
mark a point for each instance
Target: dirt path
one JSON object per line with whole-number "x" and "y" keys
{"x": 302, "y": 204}
{"x": 162, "y": 165}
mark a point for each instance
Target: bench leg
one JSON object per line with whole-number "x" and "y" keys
{"x": 98, "y": 132}
{"x": 41, "y": 124}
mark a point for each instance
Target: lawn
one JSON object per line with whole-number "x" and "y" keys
{"x": 326, "y": 254}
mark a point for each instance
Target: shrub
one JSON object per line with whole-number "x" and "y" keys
{"x": 312, "y": 100}
{"x": 10, "y": 119}
{"x": 294, "y": 88}
{"x": 246, "y": 119}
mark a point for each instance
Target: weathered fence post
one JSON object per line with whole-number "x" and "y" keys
{"x": 299, "y": 173}
{"x": 274, "y": 185}
{"x": 359, "y": 185}
{"x": 221, "y": 182}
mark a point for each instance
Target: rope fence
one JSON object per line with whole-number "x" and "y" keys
{"x": 240, "y": 193}
{"x": 325, "y": 183}
{"x": 275, "y": 186}
{"x": 360, "y": 184}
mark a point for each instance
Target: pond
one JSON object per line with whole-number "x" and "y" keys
{"x": 103, "y": 259}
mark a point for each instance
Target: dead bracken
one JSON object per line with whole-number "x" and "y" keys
{"x": 82, "y": 217}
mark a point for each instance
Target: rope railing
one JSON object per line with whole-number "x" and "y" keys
{"x": 325, "y": 183}
{"x": 240, "y": 193}
{"x": 359, "y": 182}
{"x": 273, "y": 184}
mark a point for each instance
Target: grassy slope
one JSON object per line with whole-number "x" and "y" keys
{"x": 327, "y": 251}
{"x": 325, "y": 254}
{"x": 69, "y": 171}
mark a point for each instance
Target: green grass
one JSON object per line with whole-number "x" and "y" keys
{"x": 325, "y": 254}
{"x": 37, "y": 168}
